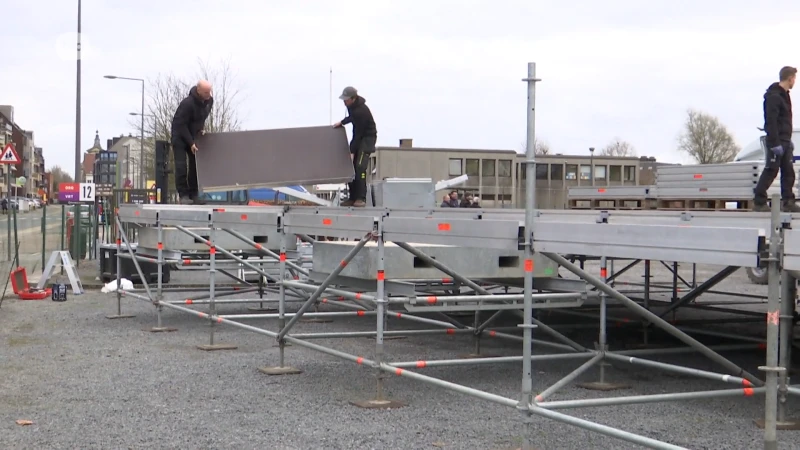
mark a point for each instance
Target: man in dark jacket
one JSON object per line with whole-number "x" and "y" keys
{"x": 187, "y": 125}
{"x": 362, "y": 144}
{"x": 778, "y": 142}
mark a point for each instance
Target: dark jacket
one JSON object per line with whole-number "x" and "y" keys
{"x": 777, "y": 115}
{"x": 363, "y": 125}
{"x": 190, "y": 118}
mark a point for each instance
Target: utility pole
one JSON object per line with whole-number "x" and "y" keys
{"x": 78, "y": 105}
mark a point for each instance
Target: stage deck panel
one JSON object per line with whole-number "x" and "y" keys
{"x": 273, "y": 158}
{"x": 402, "y": 265}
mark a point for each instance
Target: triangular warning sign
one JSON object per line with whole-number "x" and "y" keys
{"x": 10, "y": 155}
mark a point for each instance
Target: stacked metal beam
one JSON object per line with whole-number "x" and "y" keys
{"x": 618, "y": 197}
{"x": 730, "y": 181}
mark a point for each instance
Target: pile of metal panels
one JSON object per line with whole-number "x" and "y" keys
{"x": 611, "y": 197}
{"x": 730, "y": 181}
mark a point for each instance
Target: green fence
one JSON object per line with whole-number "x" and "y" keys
{"x": 27, "y": 238}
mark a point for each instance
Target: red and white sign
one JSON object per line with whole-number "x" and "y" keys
{"x": 10, "y": 155}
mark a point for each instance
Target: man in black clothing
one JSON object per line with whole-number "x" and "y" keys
{"x": 362, "y": 144}
{"x": 780, "y": 150}
{"x": 187, "y": 124}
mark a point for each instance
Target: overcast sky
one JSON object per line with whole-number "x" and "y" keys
{"x": 446, "y": 73}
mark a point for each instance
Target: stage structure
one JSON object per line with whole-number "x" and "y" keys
{"x": 387, "y": 267}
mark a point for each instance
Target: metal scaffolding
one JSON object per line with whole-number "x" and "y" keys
{"x": 528, "y": 243}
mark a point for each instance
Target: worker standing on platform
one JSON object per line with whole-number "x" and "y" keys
{"x": 780, "y": 150}
{"x": 362, "y": 144}
{"x": 187, "y": 124}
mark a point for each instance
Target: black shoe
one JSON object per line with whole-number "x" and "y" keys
{"x": 791, "y": 207}
{"x": 198, "y": 200}
{"x": 347, "y": 203}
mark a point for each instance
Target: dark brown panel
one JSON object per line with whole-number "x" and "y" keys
{"x": 273, "y": 158}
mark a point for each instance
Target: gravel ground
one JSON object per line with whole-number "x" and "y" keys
{"x": 89, "y": 382}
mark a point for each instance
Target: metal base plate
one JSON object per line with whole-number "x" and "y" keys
{"x": 378, "y": 404}
{"x": 217, "y": 347}
{"x": 286, "y": 370}
{"x": 791, "y": 424}
{"x": 121, "y": 316}
{"x": 160, "y": 329}
{"x": 598, "y": 386}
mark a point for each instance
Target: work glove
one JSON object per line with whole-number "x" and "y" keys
{"x": 777, "y": 151}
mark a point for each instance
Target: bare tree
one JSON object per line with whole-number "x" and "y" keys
{"x": 539, "y": 147}
{"x": 165, "y": 93}
{"x": 618, "y": 147}
{"x": 58, "y": 175}
{"x": 706, "y": 139}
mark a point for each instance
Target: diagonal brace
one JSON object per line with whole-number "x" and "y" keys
{"x": 263, "y": 250}
{"x": 475, "y": 287}
{"x": 325, "y": 283}
{"x": 230, "y": 255}
{"x": 135, "y": 262}
{"x": 658, "y": 321}
{"x": 699, "y": 290}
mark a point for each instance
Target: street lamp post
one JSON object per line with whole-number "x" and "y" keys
{"x": 591, "y": 164}
{"x": 155, "y": 136}
{"x": 141, "y": 143}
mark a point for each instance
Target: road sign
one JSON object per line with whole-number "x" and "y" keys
{"x": 10, "y": 155}
{"x": 87, "y": 192}
{"x": 104, "y": 190}
{"x": 69, "y": 192}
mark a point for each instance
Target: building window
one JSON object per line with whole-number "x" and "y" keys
{"x": 586, "y": 172}
{"x": 572, "y": 172}
{"x": 630, "y": 173}
{"x": 455, "y": 167}
{"x": 614, "y": 173}
{"x": 473, "y": 167}
{"x": 504, "y": 168}
{"x": 556, "y": 172}
{"x": 541, "y": 171}
{"x": 521, "y": 173}
{"x": 488, "y": 168}
{"x": 600, "y": 173}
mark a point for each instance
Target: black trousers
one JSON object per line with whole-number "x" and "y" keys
{"x": 185, "y": 171}
{"x": 358, "y": 187}
{"x": 784, "y": 164}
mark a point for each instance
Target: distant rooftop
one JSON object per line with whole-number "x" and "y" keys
{"x": 407, "y": 144}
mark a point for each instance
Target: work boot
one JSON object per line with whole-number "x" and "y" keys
{"x": 185, "y": 201}
{"x": 791, "y": 207}
{"x": 198, "y": 200}
{"x": 359, "y": 203}
{"x": 347, "y": 203}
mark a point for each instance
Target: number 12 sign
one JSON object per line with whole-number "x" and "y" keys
{"x": 86, "y": 192}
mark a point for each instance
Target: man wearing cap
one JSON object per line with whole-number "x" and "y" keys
{"x": 362, "y": 144}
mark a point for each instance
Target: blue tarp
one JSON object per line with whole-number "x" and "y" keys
{"x": 267, "y": 194}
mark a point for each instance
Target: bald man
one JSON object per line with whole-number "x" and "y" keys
{"x": 187, "y": 124}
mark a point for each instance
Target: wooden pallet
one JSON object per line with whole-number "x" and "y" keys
{"x": 704, "y": 204}
{"x": 611, "y": 203}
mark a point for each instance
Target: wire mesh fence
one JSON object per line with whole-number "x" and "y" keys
{"x": 28, "y": 238}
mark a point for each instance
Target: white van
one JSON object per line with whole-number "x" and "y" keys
{"x": 756, "y": 150}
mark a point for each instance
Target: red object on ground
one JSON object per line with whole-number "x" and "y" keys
{"x": 19, "y": 282}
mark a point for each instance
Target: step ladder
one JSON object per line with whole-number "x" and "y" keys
{"x": 69, "y": 268}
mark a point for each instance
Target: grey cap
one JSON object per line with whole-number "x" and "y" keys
{"x": 348, "y": 92}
